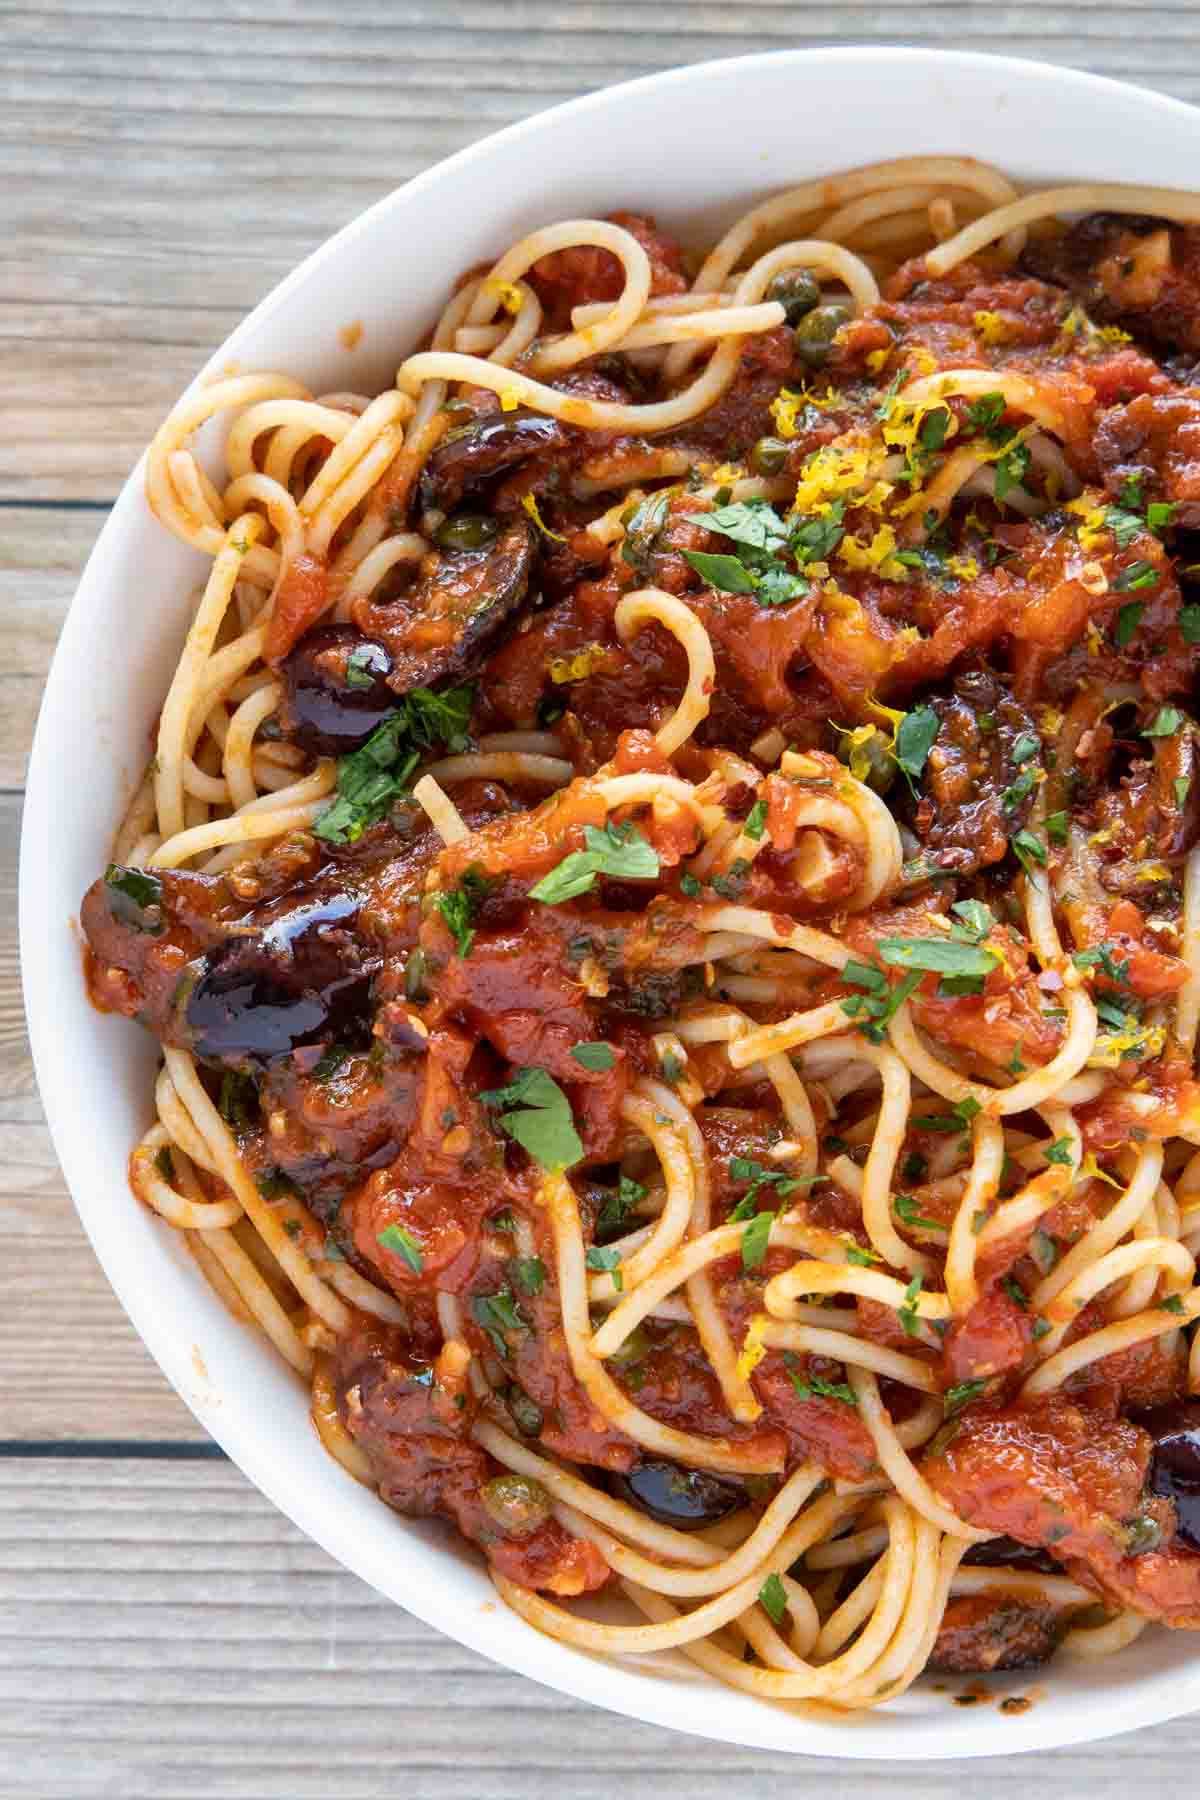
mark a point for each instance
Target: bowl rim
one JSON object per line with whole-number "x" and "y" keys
{"x": 601, "y": 1683}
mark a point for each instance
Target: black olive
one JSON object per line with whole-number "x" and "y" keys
{"x": 817, "y": 330}
{"x": 466, "y": 531}
{"x": 685, "y": 1498}
{"x": 1175, "y": 1461}
{"x": 470, "y": 594}
{"x": 299, "y": 980}
{"x": 797, "y": 292}
{"x": 468, "y": 458}
{"x": 335, "y": 690}
{"x": 1007, "y": 1553}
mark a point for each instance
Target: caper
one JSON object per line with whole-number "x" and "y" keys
{"x": 414, "y": 976}
{"x": 769, "y": 455}
{"x": 880, "y": 771}
{"x": 1142, "y": 1533}
{"x": 517, "y": 1504}
{"x": 635, "y": 1347}
{"x": 796, "y": 291}
{"x": 816, "y": 332}
{"x": 527, "y": 1414}
{"x": 466, "y": 531}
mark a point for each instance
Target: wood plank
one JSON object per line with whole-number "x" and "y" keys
{"x": 71, "y": 1364}
{"x": 53, "y": 1293}
{"x": 199, "y": 213}
{"x": 166, "y": 1632}
{"x": 42, "y": 553}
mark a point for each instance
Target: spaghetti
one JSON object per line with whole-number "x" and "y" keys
{"x": 668, "y": 888}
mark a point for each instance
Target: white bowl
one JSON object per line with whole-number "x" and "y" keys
{"x": 693, "y": 146}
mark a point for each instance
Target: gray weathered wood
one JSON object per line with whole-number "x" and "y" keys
{"x": 171, "y": 1635}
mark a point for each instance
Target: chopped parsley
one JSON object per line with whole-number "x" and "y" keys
{"x": 1137, "y": 574}
{"x": 744, "y": 1168}
{"x": 1015, "y": 1292}
{"x": 762, "y": 537}
{"x": 1059, "y": 1152}
{"x": 915, "y": 738}
{"x": 458, "y": 907}
{"x": 499, "y": 1314}
{"x": 1019, "y": 790}
{"x": 756, "y": 820}
{"x": 755, "y": 1239}
{"x": 378, "y": 773}
{"x": 1011, "y": 469}
{"x": 597, "y": 1057}
{"x": 1165, "y": 723}
{"x": 1028, "y": 849}
{"x": 1189, "y": 624}
{"x": 960, "y": 1118}
{"x": 618, "y": 1206}
{"x": 813, "y": 1387}
{"x": 941, "y": 956}
{"x": 909, "y": 1316}
{"x": 874, "y": 1008}
{"x": 360, "y": 667}
{"x": 404, "y": 1245}
{"x": 905, "y": 1209}
{"x": 1128, "y": 620}
{"x": 237, "y": 1099}
{"x": 986, "y": 413}
{"x": 536, "y": 1114}
{"x": 529, "y": 1273}
{"x": 1123, "y": 524}
{"x": 607, "y": 1262}
{"x": 135, "y": 899}
{"x": 619, "y": 851}
{"x": 1100, "y": 956}
{"x": 773, "y": 1599}
{"x": 961, "y": 1394}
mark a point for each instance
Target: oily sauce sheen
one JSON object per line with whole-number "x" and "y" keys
{"x": 367, "y": 1005}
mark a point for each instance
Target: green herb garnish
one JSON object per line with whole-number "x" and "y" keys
{"x": 536, "y": 1114}
{"x": 405, "y": 1246}
{"x": 619, "y": 851}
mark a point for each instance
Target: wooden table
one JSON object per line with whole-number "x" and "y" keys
{"x": 163, "y": 1631}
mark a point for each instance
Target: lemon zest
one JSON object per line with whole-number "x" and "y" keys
{"x": 878, "y": 554}
{"x": 564, "y": 669}
{"x": 529, "y": 505}
{"x": 753, "y": 1347}
{"x": 508, "y": 294}
{"x": 992, "y": 329}
{"x": 788, "y": 403}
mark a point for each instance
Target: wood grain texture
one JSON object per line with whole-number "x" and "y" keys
{"x": 163, "y": 1631}
{"x": 235, "y": 137}
{"x": 175, "y": 1638}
